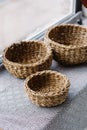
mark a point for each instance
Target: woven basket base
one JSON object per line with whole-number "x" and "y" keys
{"x": 65, "y": 63}
{"x": 48, "y": 102}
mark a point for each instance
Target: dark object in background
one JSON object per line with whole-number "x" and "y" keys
{"x": 84, "y": 2}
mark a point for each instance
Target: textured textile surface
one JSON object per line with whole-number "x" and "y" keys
{"x": 17, "y": 112}
{"x": 73, "y": 116}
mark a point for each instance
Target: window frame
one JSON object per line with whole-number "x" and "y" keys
{"x": 40, "y": 34}
{"x": 78, "y": 6}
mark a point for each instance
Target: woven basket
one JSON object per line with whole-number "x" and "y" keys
{"x": 69, "y": 43}
{"x": 47, "y": 88}
{"x": 25, "y": 58}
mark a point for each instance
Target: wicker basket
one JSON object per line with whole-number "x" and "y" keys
{"x": 25, "y": 58}
{"x": 47, "y": 88}
{"x": 69, "y": 43}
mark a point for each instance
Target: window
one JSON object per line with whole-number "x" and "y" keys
{"x": 26, "y": 18}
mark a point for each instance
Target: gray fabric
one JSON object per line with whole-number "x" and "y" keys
{"x": 73, "y": 116}
{"x": 13, "y": 100}
{"x": 11, "y": 122}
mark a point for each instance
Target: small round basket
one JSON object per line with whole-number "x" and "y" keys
{"x": 25, "y": 58}
{"x": 69, "y": 43}
{"x": 47, "y": 88}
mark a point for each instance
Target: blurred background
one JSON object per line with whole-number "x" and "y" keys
{"x": 22, "y": 18}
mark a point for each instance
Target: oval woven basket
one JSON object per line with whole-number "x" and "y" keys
{"x": 25, "y": 58}
{"x": 69, "y": 43}
{"x": 47, "y": 88}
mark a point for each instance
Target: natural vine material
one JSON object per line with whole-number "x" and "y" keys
{"x": 69, "y": 43}
{"x": 47, "y": 88}
{"x": 25, "y": 58}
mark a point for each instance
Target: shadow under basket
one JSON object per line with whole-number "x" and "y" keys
{"x": 69, "y": 43}
{"x": 47, "y": 88}
{"x": 24, "y": 58}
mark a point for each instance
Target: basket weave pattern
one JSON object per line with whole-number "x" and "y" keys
{"x": 69, "y": 43}
{"x": 25, "y": 58}
{"x": 47, "y": 88}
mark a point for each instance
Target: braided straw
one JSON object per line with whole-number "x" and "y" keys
{"x": 47, "y": 88}
{"x": 69, "y": 43}
{"x": 25, "y": 58}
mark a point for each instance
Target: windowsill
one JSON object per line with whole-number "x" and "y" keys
{"x": 14, "y": 101}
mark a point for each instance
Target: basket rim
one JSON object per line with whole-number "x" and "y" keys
{"x": 47, "y": 39}
{"x": 48, "y": 54}
{"x": 45, "y": 94}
